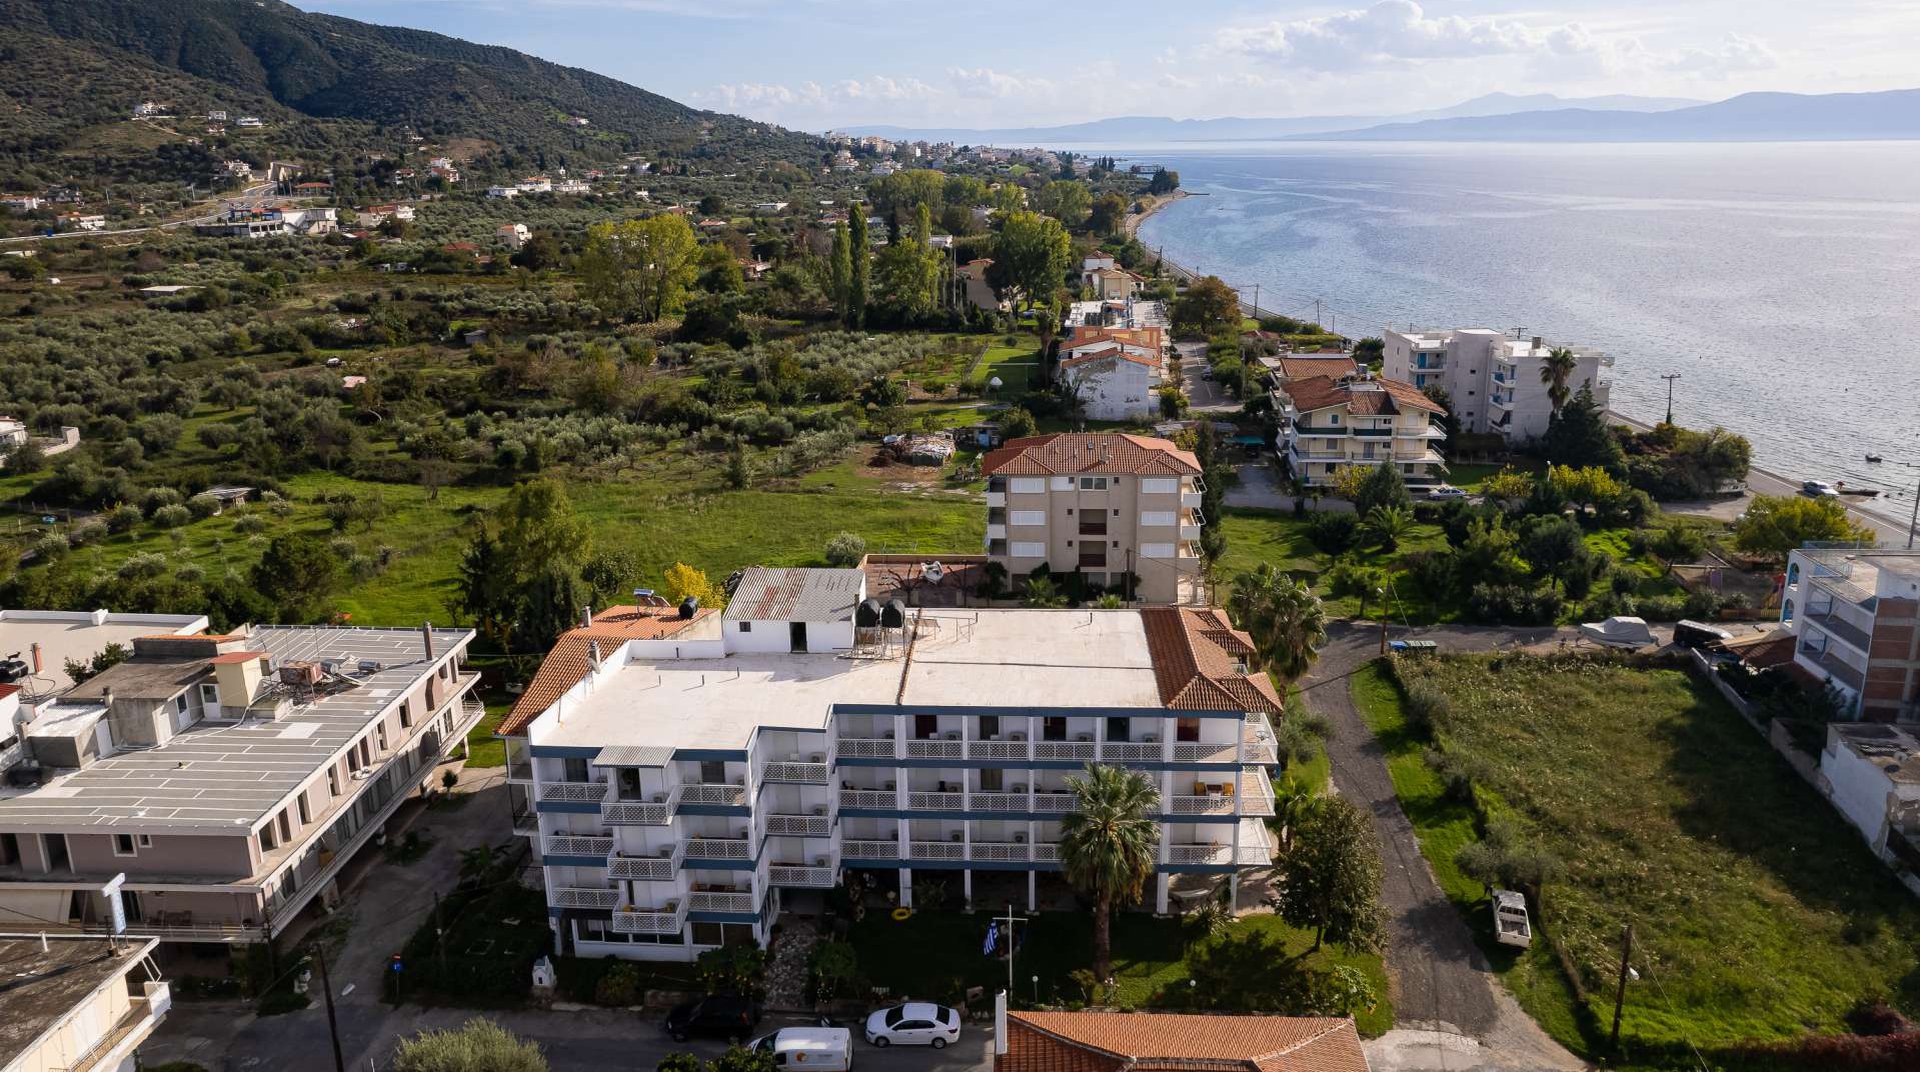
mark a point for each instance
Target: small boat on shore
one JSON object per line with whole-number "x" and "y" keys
{"x": 1875, "y": 458}
{"x": 1864, "y": 493}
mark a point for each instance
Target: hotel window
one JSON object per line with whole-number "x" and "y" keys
{"x": 382, "y": 731}
{"x": 1117, "y": 729}
{"x": 991, "y": 780}
{"x": 989, "y": 727}
{"x": 712, "y": 772}
{"x": 306, "y": 814}
{"x": 145, "y": 841}
{"x": 1093, "y": 483}
{"x": 406, "y": 715}
{"x": 1186, "y": 729}
{"x": 286, "y": 828}
{"x": 1053, "y": 729}
{"x": 267, "y": 841}
{"x": 123, "y": 845}
{"x": 574, "y": 769}
{"x": 333, "y": 781}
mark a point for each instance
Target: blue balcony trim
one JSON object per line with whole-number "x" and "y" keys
{"x": 714, "y": 809}
{"x": 723, "y": 917}
{"x": 718, "y": 755}
{"x": 577, "y": 807}
{"x": 563, "y": 751}
{"x": 573, "y": 861}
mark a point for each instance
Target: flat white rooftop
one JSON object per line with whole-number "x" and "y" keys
{"x": 987, "y": 658}
{"x": 77, "y": 635}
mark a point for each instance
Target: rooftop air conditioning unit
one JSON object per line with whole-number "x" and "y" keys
{"x": 665, "y": 851}
{"x": 370, "y": 666}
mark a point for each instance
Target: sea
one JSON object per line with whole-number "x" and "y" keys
{"x": 1781, "y": 282}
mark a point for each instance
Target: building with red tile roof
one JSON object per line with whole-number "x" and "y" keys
{"x": 1176, "y": 1042}
{"x": 1330, "y": 426}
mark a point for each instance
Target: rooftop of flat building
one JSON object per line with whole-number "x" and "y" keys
{"x": 992, "y": 658}
{"x": 1894, "y": 749}
{"x": 77, "y": 636}
{"x": 43, "y": 988}
{"x": 222, "y": 777}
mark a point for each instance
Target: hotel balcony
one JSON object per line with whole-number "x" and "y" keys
{"x": 584, "y": 897}
{"x": 1014, "y": 747}
{"x": 810, "y": 771}
{"x": 659, "y": 867}
{"x": 739, "y": 901}
{"x": 867, "y": 747}
{"x": 577, "y": 844}
{"x": 823, "y": 873}
{"x": 818, "y": 824}
{"x": 954, "y": 848}
{"x": 1191, "y": 499}
{"x": 573, "y": 792}
{"x": 669, "y": 918}
{"x": 717, "y": 848}
{"x": 871, "y": 849}
{"x": 1839, "y": 628}
{"x": 655, "y": 812}
{"x": 884, "y": 799}
{"x": 1214, "y": 853}
{"x": 704, "y": 794}
{"x": 948, "y": 746}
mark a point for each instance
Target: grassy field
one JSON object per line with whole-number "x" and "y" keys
{"x": 1017, "y": 366}
{"x": 1757, "y": 912}
{"x": 1276, "y": 536}
{"x": 923, "y": 955}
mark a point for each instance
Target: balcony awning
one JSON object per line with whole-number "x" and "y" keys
{"x": 633, "y": 756}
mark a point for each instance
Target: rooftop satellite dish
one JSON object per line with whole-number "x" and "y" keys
{"x": 934, "y": 571}
{"x": 994, "y": 383}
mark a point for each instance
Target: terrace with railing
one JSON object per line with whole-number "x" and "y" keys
{"x": 669, "y": 918}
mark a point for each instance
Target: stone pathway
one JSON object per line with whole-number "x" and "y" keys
{"x": 787, "y": 975}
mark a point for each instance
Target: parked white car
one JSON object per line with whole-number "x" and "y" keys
{"x": 1445, "y": 491}
{"x": 1819, "y": 489}
{"x": 916, "y": 1023}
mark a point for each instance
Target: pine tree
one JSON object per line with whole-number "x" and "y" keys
{"x": 840, "y": 270}
{"x": 856, "y": 304}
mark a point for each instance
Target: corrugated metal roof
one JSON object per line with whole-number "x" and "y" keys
{"x": 795, "y": 595}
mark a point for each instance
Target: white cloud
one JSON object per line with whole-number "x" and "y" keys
{"x": 989, "y": 84}
{"x": 1738, "y": 54}
{"x": 1395, "y": 30}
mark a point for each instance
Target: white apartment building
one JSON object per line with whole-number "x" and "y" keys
{"x": 1872, "y": 775}
{"x": 1104, "y": 505}
{"x": 227, "y": 778}
{"x": 1114, "y": 372}
{"x": 1493, "y": 380}
{"x": 686, "y": 776}
{"x": 78, "y": 1004}
{"x": 1328, "y": 427}
{"x": 1855, "y": 616}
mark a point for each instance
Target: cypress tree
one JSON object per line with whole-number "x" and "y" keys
{"x": 856, "y": 311}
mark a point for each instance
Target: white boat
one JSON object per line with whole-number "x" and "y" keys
{"x": 1510, "y": 923}
{"x": 1619, "y": 632}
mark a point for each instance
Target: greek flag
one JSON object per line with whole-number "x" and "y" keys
{"x": 993, "y": 939}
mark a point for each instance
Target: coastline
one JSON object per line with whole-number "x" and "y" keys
{"x": 1155, "y": 202}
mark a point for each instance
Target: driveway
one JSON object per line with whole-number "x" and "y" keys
{"x": 1452, "y": 1014}
{"x": 1259, "y": 488}
{"x": 1203, "y": 395}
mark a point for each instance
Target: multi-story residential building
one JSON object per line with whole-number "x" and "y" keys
{"x": 1870, "y": 773}
{"x": 1114, "y": 372}
{"x": 1104, "y": 505}
{"x": 78, "y": 1004}
{"x": 227, "y": 778}
{"x": 1329, "y": 426}
{"x": 1855, "y": 615}
{"x": 1493, "y": 381}
{"x": 683, "y": 785}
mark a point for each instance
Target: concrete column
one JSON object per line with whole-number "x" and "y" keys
{"x": 1162, "y": 884}
{"x": 1233, "y": 890}
{"x": 966, "y": 885}
{"x": 1033, "y": 891}
{"x": 906, "y": 887}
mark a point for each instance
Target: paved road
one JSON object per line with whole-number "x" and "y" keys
{"x": 1203, "y": 395}
{"x": 574, "y": 1040}
{"x": 1451, "y": 1013}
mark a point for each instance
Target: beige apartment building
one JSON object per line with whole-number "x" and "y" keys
{"x": 78, "y": 1004}
{"x": 213, "y": 786}
{"x": 1329, "y": 427}
{"x": 1104, "y": 505}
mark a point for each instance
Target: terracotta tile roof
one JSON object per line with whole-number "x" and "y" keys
{"x": 1366, "y": 399}
{"x": 1301, "y": 368}
{"x": 1410, "y": 397}
{"x": 1315, "y": 393}
{"x": 1090, "y": 452}
{"x": 1082, "y": 357}
{"x": 1147, "y": 338}
{"x": 566, "y": 664}
{"x": 1199, "y": 661}
{"x": 1162, "y": 1042}
{"x": 237, "y": 657}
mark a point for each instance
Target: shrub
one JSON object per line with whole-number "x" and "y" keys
{"x": 846, "y": 550}
{"x": 1678, "y": 543}
{"x": 1458, "y": 772}
{"x": 1505, "y": 857}
{"x": 123, "y": 518}
{"x": 155, "y": 498}
{"x": 249, "y": 524}
{"x": 143, "y": 566}
{"x": 190, "y": 572}
{"x": 90, "y": 531}
{"x": 480, "y": 1046}
{"x": 203, "y": 505}
{"x": 1512, "y": 604}
{"x": 172, "y": 516}
{"x": 1334, "y": 532}
{"x": 50, "y": 546}
{"x": 620, "y": 986}
{"x": 1427, "y": 708}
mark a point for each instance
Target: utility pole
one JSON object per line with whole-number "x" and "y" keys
{"x": 1670, "y": 377}
{"x": 1316, "y": 310}
{"x": 1914, "y": 523}
{"x": 439, "y": 933}
{"x": 1620, "y": 989}
{"x": 333, "y": 1025}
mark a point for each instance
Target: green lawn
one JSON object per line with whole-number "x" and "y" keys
{"x": 1017, "y": 366}
{"x": 932, "y": 954}
{"x": 1757, "y": 912}
{"x": 1276, "y": 536}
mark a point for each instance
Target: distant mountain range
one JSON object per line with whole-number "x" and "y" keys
{"x": 1126, "y": 129}
{"x": 1888, "y": 115}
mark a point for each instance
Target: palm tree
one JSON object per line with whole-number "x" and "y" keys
{"x": 1282, "y": 616}
{"x": 1388, "y": 525}
{"x": 1107, "y": 845}
{"x": 1554, "y": 371}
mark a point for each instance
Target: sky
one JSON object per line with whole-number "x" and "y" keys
{"x": 820, "y": 64}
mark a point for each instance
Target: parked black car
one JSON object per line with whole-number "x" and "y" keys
{"x": 718, "y": 1015}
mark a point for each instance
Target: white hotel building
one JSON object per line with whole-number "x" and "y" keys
{"x": 1492, "y": 380}
{"x": 679, "y": 775}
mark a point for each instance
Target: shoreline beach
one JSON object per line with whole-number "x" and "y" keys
{"x": 1155, "y": 202}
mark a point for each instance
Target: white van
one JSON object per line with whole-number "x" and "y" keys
{"x": 808, "y": 1049}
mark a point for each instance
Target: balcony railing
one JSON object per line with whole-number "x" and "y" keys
{"x": 798, "y": 875}
{"x": 656, "y": 868}
{"x": 995, "y": 801}
{"x": 728, "y": 795}
{"x": 938, "y": 850}
{"x": 585, "y": 897}
{"x": 712, "y": 848}
{"x": 1256, "y": 793}
{"x": 940, "y": 749}
{"x": 1047, "y": 802}
{"x": 574, "y": 792}
{"x": 577, "y": 844}
{"x": 1046, "y": 852}
{"x": 721, "y": 901}
{"x": 1078, "y": 750}
{"x": 867, "y": 747}
{"x": 869, "y": 798}
{"x": 871, "y": 849}
{"x": 998, "y": 749}
{"x": 809, "y": 773}
{"x": 799, "y": 825}
{"x": 1203, "y": 752}
{"x": 638, "y": 812}
{"x": 1199, "y": 854}
{"x": 997, "y": 851}
{"x": 1209, "y": 804}
{"x": 936, "y": 801}
{"x": 1191, "y": 499}
{"x": 1131, "y": 751}
{"x": 667, "y": 919}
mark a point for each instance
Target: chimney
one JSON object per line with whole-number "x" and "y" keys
{"x": 36, "y": 658}
{"x": 586, "y": 616}
{"x": 593, "y": 654}
{"x": 426, "y": 638}
{"x": 106, "y": 696}
{"x": 999, "y": 1025}
{"x": 1536, "y": 342}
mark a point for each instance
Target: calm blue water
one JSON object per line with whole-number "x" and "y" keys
{"x": 1781, "y": 281}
